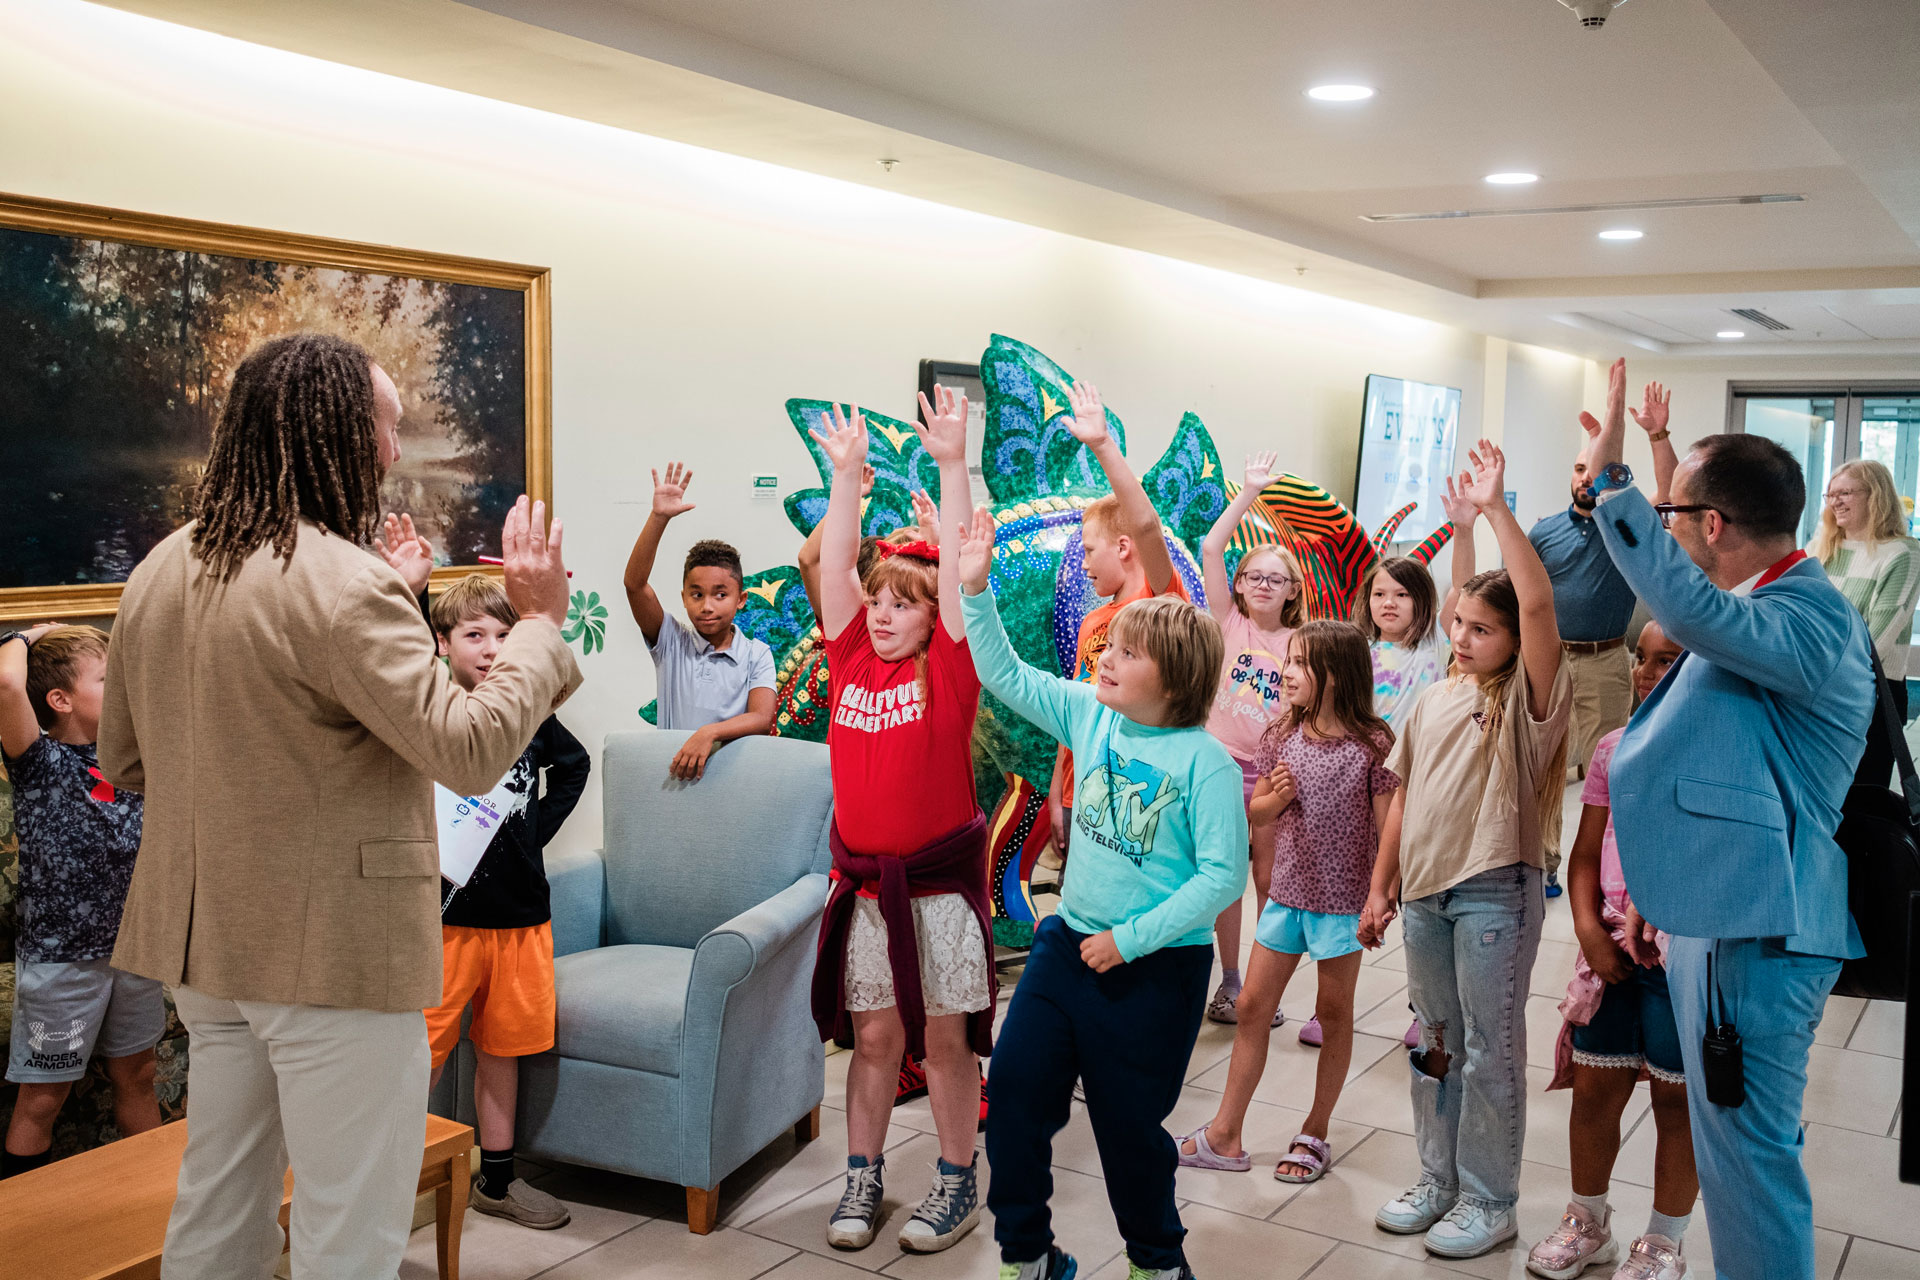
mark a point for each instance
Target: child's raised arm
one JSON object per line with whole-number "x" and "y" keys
{"x": 943, "y": 430}
{"x": 1054, "y": 704}
{"x": 669, "y": 500}
{"x": 1539, "y": 633}
{"x": 845, "y": 444}
{"x": 808, "y": 558}
{"x": 1213, "y": 550}
{"x": 19, "y": 729}
{"x": 1141, "y": 523}
{"x": 1461, "y": 513}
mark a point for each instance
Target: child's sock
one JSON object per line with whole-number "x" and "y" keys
{"x": 496, "y": 1173}
{"x": 1230, "y": 978}
{"x": 11, "y": 1164}
{"x": 1595, "y": 1205}
{"x": 1659, "y": 1224}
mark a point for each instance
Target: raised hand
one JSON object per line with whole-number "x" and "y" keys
{"x": 1459, "y": 507}
{"x": 410, "y": 554}
{"x": 926, "y": 517}
{"x": 670, "y": 495}
{"x": 844, "y": 441}
{"x": 1616, "y": 418}
{"x": 943, "y": 424}
{"x": 1089, "y": 424}
{"x": 536, "y": 572}
{"x": 976, "y": 551}
{"x": 1260, "y": 470}
{"x": 1589, "y": 424}
{"x": 1652, "y": 413}
{"x": 1487, "y": 487}
{"x": 866, "y": 479}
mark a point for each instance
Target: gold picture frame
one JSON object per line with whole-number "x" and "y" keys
{"x": 305, "y": 256}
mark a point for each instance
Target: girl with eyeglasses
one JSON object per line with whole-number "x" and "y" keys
{"x": 1257, "y": 607}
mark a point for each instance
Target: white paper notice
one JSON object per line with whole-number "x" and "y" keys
{"x": 467, "y": 826}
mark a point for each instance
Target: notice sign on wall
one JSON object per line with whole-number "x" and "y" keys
{"x": 1407, "y": 437}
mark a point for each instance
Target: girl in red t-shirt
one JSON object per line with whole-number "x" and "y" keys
{"x": 905, "y": 956}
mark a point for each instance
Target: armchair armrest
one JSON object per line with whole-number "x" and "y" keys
{"x": 578, "y": 882}
{"x": 733, "y": 950}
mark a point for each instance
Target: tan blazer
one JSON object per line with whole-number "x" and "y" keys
{"x": 287, "y": 727}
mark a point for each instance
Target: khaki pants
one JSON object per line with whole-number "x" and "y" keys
{"x": 343, "y": 1092}
{"x": 1602, "y": 700}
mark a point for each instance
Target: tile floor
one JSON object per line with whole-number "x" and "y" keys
{"x": 773, "y": 1211}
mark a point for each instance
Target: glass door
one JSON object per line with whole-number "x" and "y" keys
{"x": 1890, "y": 433}
{"x": 1811, "y": 428}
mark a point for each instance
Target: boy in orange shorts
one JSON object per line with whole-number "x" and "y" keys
{"x": 497, "y": 929}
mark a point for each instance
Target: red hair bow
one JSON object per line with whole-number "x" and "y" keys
{"x": 920, "y": 550}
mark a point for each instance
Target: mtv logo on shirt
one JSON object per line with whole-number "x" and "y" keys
{"x": 871, "y": 711}
{"x": 1119, "y": 804}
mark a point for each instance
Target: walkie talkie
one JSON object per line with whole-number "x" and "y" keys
{"x": 1720, "y": 1055}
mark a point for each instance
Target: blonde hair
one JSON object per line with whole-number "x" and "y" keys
{"x": 1184, "y": 642}
{"x": 474, "y": 596}
{"x": 1293, "y": 611}
{"x": 1886, "y": 516}
{"x": 53, "y": 662}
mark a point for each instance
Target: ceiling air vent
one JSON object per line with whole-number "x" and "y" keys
{"x": 1760, "y": 318}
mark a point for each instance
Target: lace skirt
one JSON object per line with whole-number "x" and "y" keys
{"x": 953, "y": 957}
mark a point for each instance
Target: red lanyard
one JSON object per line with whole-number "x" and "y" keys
{"x": 1779, "y": 567}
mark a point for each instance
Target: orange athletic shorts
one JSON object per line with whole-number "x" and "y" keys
{"x": 507, "y": 974}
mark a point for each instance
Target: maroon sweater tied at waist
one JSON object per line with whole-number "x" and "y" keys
{"x": 954, "y": 863}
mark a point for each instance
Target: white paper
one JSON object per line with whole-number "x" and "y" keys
{"x": 467, "y": 825}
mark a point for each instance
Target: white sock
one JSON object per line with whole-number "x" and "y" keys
{"x": 1595, "y": 1205}
{"x": 1659, "y": 1224}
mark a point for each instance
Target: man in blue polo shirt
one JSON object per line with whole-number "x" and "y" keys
{"x": 1592, "y": 604}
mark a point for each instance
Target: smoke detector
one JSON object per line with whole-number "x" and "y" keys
{"x": 1592, "y": 13}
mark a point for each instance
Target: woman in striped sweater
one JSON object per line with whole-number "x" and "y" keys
{"x": 1863, "y": 544}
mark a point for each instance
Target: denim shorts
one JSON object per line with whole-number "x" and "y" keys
{"x": 1316, "y": 935}
{"x": 1633, "y": 1027}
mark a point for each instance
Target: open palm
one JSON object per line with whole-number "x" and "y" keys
{"x": 943, "y": 424}
{"x": 1487, "y": 486}
{"x": 1260, "y": 470}
{"x": 1654, "y": 407}
{"x": 976, "y": 550}
{"x": 1089, "y": 424}
{"x": 670, "y": 494}
{"x": 844, "y": 440}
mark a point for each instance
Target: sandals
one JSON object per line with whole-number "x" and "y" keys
{"x": 1314, "y": 1159}
{"x": 1205, "y": 1157}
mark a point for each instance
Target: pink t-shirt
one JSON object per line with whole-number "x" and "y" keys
{"x": 1325, "y": 841}
{"x": 1249, "y": 696}
{"x": 1613, "y": 880}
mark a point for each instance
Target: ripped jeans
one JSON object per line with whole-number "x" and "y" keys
{"x": 1470, "y": 951}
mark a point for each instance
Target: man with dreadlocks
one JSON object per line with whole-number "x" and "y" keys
{"x": 271, "y": 690}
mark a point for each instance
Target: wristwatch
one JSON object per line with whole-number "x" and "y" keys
{"x": 1615, "y": 475}
{"x": 21, "y": 636}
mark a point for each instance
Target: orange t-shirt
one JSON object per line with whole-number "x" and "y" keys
{"x": 1093, "y": 643}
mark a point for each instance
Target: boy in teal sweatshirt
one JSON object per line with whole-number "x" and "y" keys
{"x": 1116, "y": 983}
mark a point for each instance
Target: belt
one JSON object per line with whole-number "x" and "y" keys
{"x": 1591, "y": 646}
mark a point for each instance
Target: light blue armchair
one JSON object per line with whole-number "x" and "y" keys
{"x": 683, "y": 957}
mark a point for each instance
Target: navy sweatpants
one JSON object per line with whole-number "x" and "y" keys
{"x": 1127, "y": 1034}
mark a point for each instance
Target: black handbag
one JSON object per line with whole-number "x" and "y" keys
{"x": 1880, "y": 834}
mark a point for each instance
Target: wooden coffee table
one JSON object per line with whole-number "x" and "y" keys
{"x": 102, "y": 1215}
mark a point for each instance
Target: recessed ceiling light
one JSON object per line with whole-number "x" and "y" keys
{"x": 1512, "y": 179}
{"x": 1731, "y": 333}
{"x": 1621, "y": 233}
{"x": 1340, "y": 92}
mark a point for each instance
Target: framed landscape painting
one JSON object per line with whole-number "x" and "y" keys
{"x": 119, "y": 334}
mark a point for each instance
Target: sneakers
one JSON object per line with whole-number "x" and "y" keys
{"x": 1221, "y": 1007}
{"x": 983, "y": 1104}
{"x": 1553, "y": 885}
{"x": 1412, "y": 1038}
{"x": 1057, "y": 1265}
{"x": 1469, "y": 1230}
{"x": 1137, "y": 1272}
{"x": 950, "y": 1210}
{"x": 524, "y": 1204}
{"x": 1416, "y": 1208}
{"x": 1654, "y": 1257}
{"x": 1579, "y": 1242}
{"x": 913, "y": 1081}
{"x": 858, "y": 1215}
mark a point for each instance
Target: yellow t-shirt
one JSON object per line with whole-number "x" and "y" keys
{"x": 1470, "y": 796}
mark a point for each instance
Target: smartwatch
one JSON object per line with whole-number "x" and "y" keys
{"x": 21, "y": 636}
{"x": 1615, "y": 475}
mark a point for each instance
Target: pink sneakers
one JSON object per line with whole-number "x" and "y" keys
{"x": 1653, "y": 1257}
{"x": 1579, "y": 1242}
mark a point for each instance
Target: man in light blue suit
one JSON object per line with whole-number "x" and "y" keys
{"x": 1726, "y": 793}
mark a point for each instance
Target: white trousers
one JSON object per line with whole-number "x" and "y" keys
{"x": 343, "y": 1092}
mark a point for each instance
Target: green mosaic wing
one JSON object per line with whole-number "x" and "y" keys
{"x": 901, "y": 464}
{"x": 1186, "y": 486}
{"x": 1029, "y": 452}
{"x": 774, "y": 610}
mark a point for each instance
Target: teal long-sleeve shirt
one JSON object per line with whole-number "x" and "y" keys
{"x": 1159, "y": 824}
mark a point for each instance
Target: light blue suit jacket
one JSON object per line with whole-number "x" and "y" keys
{"x": 1726, "y": 787}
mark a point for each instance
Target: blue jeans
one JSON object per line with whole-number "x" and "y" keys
{"x": 1470, "y": 950}
{"x": 1759, "y": 1206}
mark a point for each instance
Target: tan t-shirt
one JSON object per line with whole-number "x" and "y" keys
{"x": 1470, "y": 797}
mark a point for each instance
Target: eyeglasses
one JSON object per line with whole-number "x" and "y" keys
{"x": 1844, "y": 493}
{"x": 1667, "y": 511}
{"x": 1271, "y": 581}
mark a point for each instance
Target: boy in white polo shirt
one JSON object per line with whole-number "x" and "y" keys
{"x": 713, "y": 678}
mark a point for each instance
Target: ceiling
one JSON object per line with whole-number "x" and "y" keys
{"x": 1183, "y": 129}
